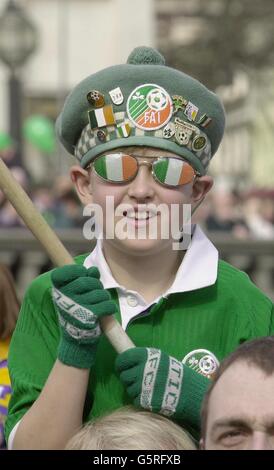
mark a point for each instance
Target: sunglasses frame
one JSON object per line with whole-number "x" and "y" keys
{"x": 143, "y": 162}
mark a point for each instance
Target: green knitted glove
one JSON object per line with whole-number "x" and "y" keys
{"x": 80, "y": 300}
{"x": 161, "y": 383}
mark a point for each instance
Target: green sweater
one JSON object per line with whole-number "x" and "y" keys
{"x": 216, "y": 318}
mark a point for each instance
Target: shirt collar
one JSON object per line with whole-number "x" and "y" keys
{"x": 198, "y": 268}
{"x": 97, "y": 258}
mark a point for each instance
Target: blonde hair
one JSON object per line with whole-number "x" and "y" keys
{"x": 131, "y": 429}
{"x": 9, "y": 303}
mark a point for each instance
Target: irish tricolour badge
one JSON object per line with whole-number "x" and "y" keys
{"x": 149, "y": 107}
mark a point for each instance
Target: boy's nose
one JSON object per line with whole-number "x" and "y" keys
{"x": 142, "y": 187}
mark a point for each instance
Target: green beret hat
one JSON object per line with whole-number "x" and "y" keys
{"x": 142, "y": 103}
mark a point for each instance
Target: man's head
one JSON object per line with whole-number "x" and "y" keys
{"x": 238, "y": 410}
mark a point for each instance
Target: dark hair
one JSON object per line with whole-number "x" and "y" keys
{"x": 257, "y": 352}
{"x": 9, "y": 303}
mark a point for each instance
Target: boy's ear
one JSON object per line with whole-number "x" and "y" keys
{"x": 201, "y": 186}
{"x": 82, "y": 182}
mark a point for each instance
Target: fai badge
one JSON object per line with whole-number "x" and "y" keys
{"x": 183, "y": 131}
{"x": 202, "y": 361}
{"x": 116, "y": 96}
{"x": 149, "y": 107}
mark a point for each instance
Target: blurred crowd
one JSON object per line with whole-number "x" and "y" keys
{"x": 245, "y": 214}
{"x": 55, "y": 200}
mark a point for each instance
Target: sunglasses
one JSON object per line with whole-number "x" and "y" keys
{"x": 121, "y": 168}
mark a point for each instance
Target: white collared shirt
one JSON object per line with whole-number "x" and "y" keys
{"x": 198, "y": 269}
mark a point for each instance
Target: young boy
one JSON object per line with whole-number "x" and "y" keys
{"x": 144, "y": 135}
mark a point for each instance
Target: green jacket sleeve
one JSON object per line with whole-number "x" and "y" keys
{"x": 33, "y": 349}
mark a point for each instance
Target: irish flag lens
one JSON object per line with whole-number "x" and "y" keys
{"x": 173, "y": 171}
{"x": 116, "y": 167}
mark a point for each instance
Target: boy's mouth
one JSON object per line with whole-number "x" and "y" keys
{"x": 135, "y": 214}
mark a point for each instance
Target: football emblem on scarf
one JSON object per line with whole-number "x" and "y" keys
{"x": 149, "y": 107}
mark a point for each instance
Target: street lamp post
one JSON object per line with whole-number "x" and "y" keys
{"x": 18, "y": 40}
